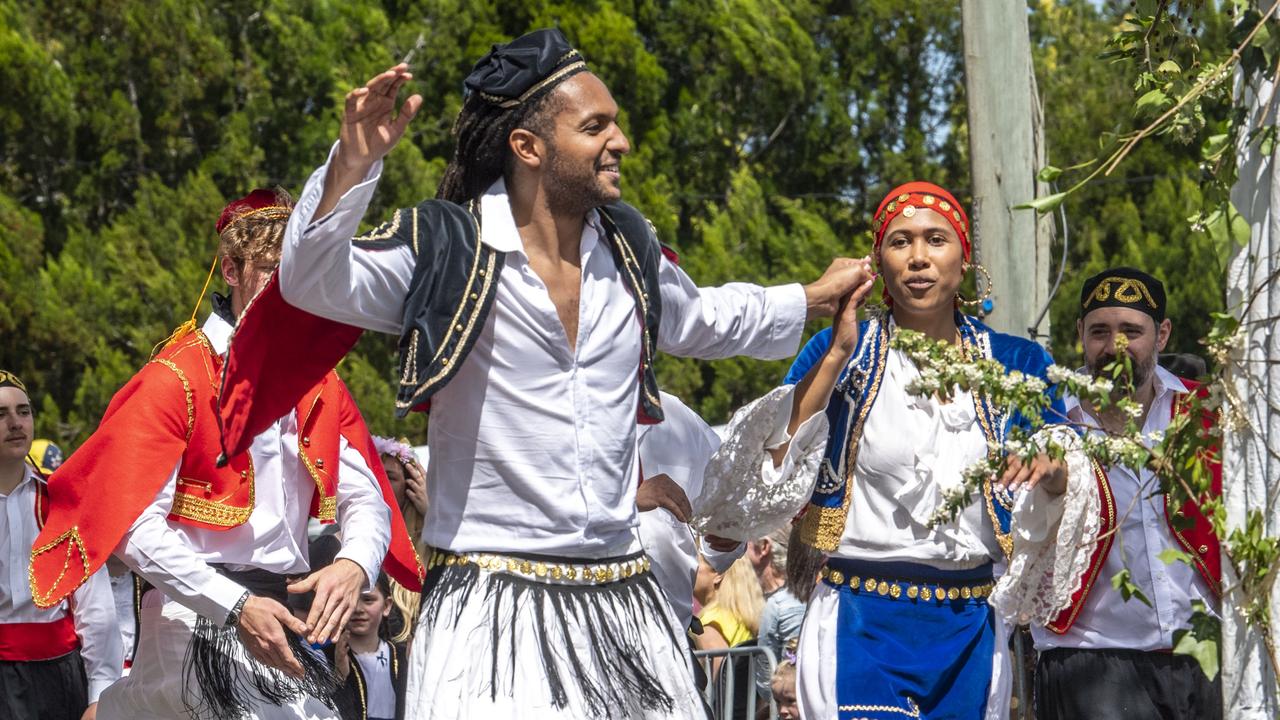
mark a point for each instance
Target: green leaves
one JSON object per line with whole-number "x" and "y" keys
{"x": 1128, "y": 589}
{"x": 1045, "y": 204}
{"x": 1200, "y": 641}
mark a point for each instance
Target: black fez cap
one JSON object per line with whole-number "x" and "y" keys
{"x": 1124, "y": 287}
{"x": 513, "y": 73}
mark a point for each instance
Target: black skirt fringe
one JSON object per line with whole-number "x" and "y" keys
{"x": 611, "y": 614}
{"x": 216, "y": 686}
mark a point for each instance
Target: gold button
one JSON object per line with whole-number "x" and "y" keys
{"x": 926, "y": 593}
{"x": 904, "y": 197}
{"x": 244, "y": 473}
{"x": 1204, "y": 549}
{"x": 444, "y": 361}
{"x": 944, "y": 206}
{"x": 481, "y": 272}
{"x": 306, "y": 441}
{"x": 953, "y": 594}
{"x": 458, "y": 327}
{"x": 512, "y": 566}
{"x": 913, "y": 592}
{"x": 451, "y": 560}
{"x": 855, "y": 582}
{"x": 320, "y": 463}
{"x": 966, "y": 593}
{"x": 882, "y": 588}
{"x": 556, "y": 572}
{"x": 928, "y": 200}
{"x": 526, "y": 567}
{"x": 475, "y": 296}
{"x": 837, "y": 577}
{"x": 909, "y": 211}
{"x": 869, "y": 585}
{"x": 940, "y": 593}
{"x": 895, "y": 591}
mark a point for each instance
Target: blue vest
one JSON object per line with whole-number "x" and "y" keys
{"x": 855, "y": 393}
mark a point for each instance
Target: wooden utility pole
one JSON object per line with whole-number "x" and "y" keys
{"x": 1006, "y": 150}
{"x": 1251, "y": 413}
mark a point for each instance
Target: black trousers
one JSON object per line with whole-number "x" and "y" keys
{"x": 1124, "y": 685}
{"x": 44, "y": 689}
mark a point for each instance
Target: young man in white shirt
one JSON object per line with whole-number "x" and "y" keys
{"x": 55, "y": 661}
{"x": 1104, "y": 657}
{"x": 223, "y": 545}
{"x": 530, "y": 302}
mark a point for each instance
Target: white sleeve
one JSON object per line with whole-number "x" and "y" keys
{"x": 163, "y": 558}
{"x": 323, "y": 273}
{"x": 733, "y": 319}
{"x": 363, "y": 515}
{"x": 93, "y": 611}
{"x": 1054, "y": 538}
{"x": 744, "y": 496}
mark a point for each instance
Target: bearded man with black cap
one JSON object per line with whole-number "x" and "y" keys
{"x": 530, "y": 304}
{"x": 1103, "y": 657}
{"x": 221, "y": 547}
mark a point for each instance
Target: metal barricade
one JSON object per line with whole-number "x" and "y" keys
{"x": 722, "y": 688}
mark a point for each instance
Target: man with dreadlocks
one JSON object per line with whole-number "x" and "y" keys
{"x": 222, "y": 546}
{"x": 530, "y": 303}
{"x": 54, "y": 661}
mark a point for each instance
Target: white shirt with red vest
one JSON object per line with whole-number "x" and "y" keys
{"x": 1107, "y": 620}
{"x": 533, "y": 442}
{"x": 175, "y": 557}
{"x": 88, "y": 621}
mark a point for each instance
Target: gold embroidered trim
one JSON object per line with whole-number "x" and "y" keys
{"x": 186, "y": 388}
{"x": 327, "y": 509}
{"x": 822, "y": 527}
{"x": 1099, "y": 474}
{"x": 210, "y": 512}
{"x": 1129, "y": 291}
{"x": 988, "y": 493}
{"x": 386, "y": 229}
{"x": 45, "y": 601}
{"x": 631, "y": 265}
{"x": 553, "y": 77}
{"x": 487, "y": 279}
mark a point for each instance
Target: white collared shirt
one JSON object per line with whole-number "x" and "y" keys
{"x": 533, "y": 443}
{"x": 175, "y": 556}
{"x": 1107, "y": 621}
{"x": 92, "y": 605}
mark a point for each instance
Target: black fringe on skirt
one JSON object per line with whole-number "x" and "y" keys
{"x": 216, "y": 687}
{"x": 611, "y": 615}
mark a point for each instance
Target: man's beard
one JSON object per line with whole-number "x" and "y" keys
{"x": 1141, "y": 371}
{"x": 573, "y": 190}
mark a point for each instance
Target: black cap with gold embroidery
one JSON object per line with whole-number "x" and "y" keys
{"x": 513, "y": 73}
{"x": 1124, "y": 287}
{"x": 8, "y": 379}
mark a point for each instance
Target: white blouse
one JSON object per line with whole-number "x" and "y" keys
{"x": 912, "y": 449}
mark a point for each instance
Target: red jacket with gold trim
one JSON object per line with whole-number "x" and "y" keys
{"x": 1193, "y": 530}
{"x": 168, "y": 413}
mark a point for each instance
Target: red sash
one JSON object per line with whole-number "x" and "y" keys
{"x": 24, "y": 642}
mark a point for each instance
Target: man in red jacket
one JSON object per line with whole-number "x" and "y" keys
{"x": 222, "y": 545}
{"x": 1103, "y": 657}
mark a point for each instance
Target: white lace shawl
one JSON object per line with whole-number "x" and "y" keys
{"x": 743, "y": 495}
{"x": 1054, "y": 539}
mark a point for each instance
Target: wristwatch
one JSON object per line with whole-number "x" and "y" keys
{"x": 233, "y": 617}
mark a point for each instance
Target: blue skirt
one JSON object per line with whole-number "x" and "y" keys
{"x": 913, "y": 641}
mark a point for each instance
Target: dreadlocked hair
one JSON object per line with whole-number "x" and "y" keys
{"x": 481, "y": 154}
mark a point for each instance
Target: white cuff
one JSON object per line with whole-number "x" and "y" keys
{"x": 792, "y": 309}
{"x": 219, "y": 598}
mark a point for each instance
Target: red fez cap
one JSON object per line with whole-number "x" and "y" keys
{"x": 263, "y": 201}
{"x": 911, "y": 197}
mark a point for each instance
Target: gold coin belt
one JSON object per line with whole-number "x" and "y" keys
{"x": 898, "y": 589}
{"x": 559, "y": 572}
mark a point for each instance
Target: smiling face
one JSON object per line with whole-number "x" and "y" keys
{"x": 583, "y": 147}
{"x": 1098, "y": 331}
{"x": 17, "y": 424}
{"x": 922, "y": 260}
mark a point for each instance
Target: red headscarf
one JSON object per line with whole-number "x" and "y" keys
{"x": 259, "y": 202}
{"x": 913, "y": 196}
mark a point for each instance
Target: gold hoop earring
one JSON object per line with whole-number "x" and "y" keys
{"x": 984, "y": 303}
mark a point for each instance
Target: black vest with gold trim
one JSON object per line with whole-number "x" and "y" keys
{"x": 455, "y": 283}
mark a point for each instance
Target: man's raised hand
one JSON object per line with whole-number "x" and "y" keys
{"x": 370, "y": 128}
